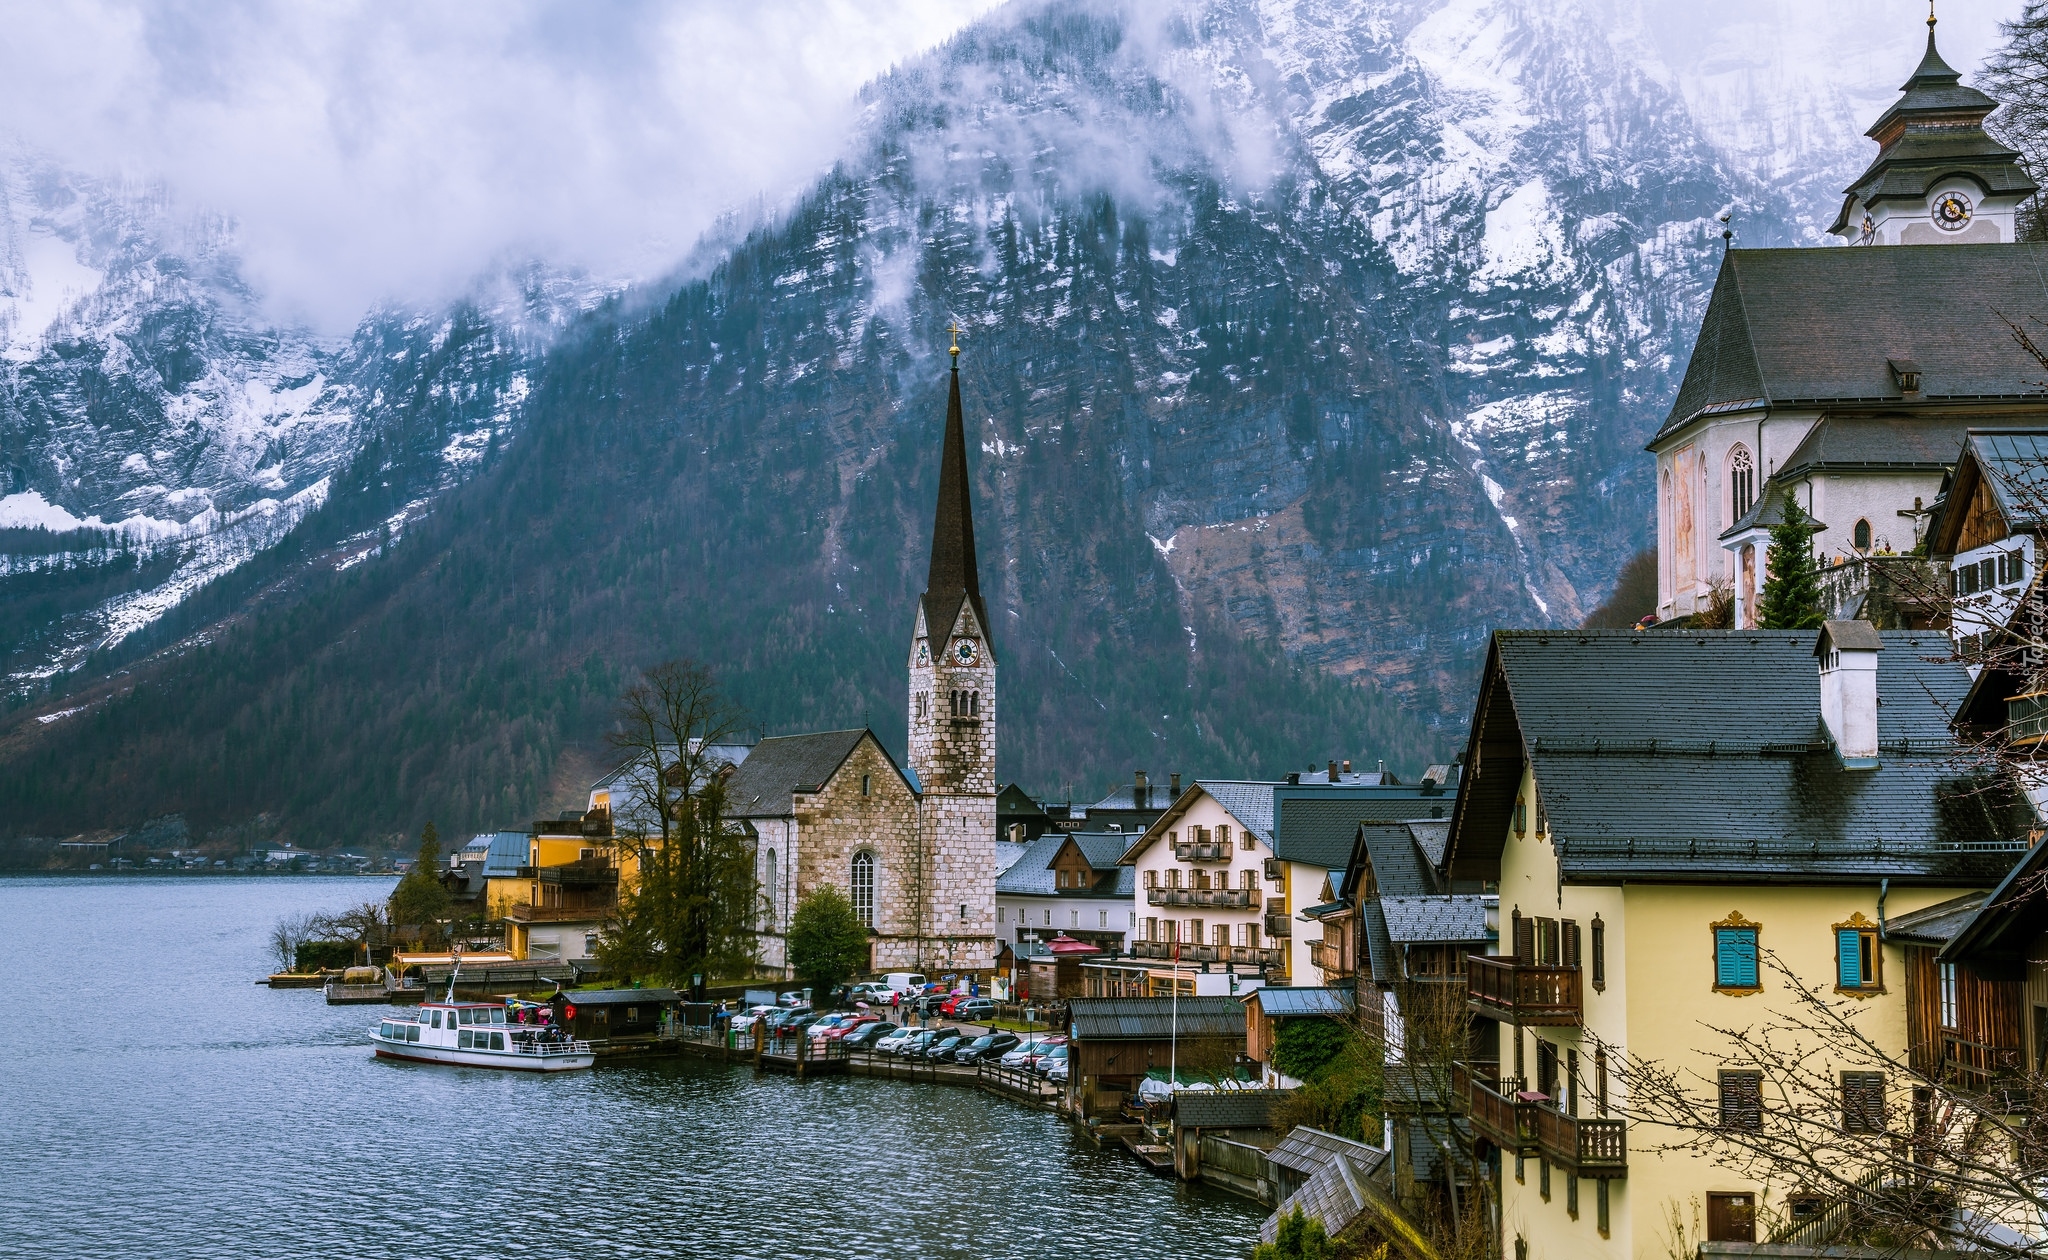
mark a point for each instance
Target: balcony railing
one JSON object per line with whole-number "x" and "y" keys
{"x": 1279, "y": 925}
{"x": 1220, "y": 898}
{"x": 1202, "y": 851}
{"x": 525, "y": 913}
{"x": 1974, "y": 1066}
{"x": 1242, "y": 954}
{"x": 1530, "y": 994}
{"x": 1503, "y": 1112}
{"x": 1590, "y": 1148}
{"x": 1328, "y": 959}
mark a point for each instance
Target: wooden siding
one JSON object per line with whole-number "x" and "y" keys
{"x": 1989, "y": 1013}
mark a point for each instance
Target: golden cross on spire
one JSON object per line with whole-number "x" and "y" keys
{"x": 1930, "y": 14}
{"x": 954, "y": 327}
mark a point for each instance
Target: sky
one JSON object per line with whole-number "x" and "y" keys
{"x": 382, "y": 150}
{"x": 373, "y": 149}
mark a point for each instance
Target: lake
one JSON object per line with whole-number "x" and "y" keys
{"x": 154, "y": 1102}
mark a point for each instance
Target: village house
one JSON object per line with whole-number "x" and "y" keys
{"x": 1847, "y": 378}
{"x": 1068, "y": 882}
{"x": 1654, "y": 859}
{"x": 1987, "y": 532}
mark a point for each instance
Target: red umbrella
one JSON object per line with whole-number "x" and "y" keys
{"x": 1064, "y": 944}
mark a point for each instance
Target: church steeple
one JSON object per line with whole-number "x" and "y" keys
{"x": 1939, "y": 177}
{"x": 953, "y": 578}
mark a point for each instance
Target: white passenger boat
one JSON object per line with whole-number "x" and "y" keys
{"x": 476, "y": 1034}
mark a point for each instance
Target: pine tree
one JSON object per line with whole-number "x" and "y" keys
{"x": 420, "y": 900}
{"x": 1791, "y": 598}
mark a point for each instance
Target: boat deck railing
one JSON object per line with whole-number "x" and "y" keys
{"x": 547, "y": 1049}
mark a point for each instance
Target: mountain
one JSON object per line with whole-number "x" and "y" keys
{"x": 1303, "y": 343}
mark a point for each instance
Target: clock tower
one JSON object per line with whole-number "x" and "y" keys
{"x": 953, "y": 725}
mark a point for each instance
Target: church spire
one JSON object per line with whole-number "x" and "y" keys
{"x": 953, "y": 578}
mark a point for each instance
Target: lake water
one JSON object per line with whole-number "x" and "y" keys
{"x": 156, "y": 1103}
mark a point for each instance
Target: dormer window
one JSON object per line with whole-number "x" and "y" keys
{"x": 1906, "y": 374}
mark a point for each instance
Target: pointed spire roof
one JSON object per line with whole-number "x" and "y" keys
{"x": 1935, "y": 129}
{"x": 954, "y": 578}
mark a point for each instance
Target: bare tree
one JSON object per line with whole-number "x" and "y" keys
{"x": 2017, "y": 74}
{"x": 1885, "y": 1154}
{"x": 694, "y": 908}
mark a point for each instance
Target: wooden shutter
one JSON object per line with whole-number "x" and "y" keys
{"x": 1735, "y": 958}
{"x": 1863, "y": 1102}
{"x": 1599, "y": 953}
{"x": 1849, "y": 958}
{"x": 1546, "y": 941}
{"x": 1525, "y": 939}
{"x": 1742, "y": 1100}
{"x": 1571, "y": 943}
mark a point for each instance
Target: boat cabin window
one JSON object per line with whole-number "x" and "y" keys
{"x": 437, "y": 1019}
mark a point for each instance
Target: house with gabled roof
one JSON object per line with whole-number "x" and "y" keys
{"x": 1068, "y": 882}
{"x": 1659, "y": 859}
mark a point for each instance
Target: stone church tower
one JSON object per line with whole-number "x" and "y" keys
{"x": 953, "y": 727}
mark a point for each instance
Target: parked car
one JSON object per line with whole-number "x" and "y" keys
{"x": 1058, "y": 1074}
{"x": 869, "y": 1035}
{"x": 942, "y": 1047}
{"x": 914, "y": 1044}
{"x": 871, "y": 992}
{"x": 796, "y": 997}
{"x": 1053, "y": 1058}
{"x": 1030, "y": 1048}
{"x": 893, "y": 1043}
{"x": 826, "y": 1023}
{"x": 953, "y": 1002}
{"x": 848, "y": 1026}
{"x": 748, "y": 1018}
{"x": 987, "y": 1046}
{"x": 975, "y": 1010}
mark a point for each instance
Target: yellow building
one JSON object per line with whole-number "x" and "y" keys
{"x": 1671, "y": 817}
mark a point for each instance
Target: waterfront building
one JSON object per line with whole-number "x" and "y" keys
{"x": 1071, "y": 883}
{"x": 1114, "y": 1043}
{"x": 1658, "y": 862}
{"x": 1847, "y": 378}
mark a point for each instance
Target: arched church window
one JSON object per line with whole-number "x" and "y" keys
{"x": 768, "y": 881}
{"x": 1862, "y": 535}
{"x": 864, "y": 887}
{"x": 1741, "y": 482}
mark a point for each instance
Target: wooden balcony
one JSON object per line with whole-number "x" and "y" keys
{"x": 1590, "y": 1148}
{"x": 1526, "y": 994}
{"x": 1241, "y": 954}
{"x": 525, "y": 913}
{"x": 1328, "y": 959}
{"x": 1216, "y": 898}
{"x": 1202, "y": 851}
{"x": 1975, "y": 1067}
{"x": 1502, "y": 1111}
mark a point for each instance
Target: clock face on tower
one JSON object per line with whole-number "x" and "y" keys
{"x": 963, "y": 651}
{"x": 924, "y": 654}
{"x": 1952, "y": 212}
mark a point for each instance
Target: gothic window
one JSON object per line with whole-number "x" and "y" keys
{"x": 867, "y": 785}
{"x": 864, "y": 887}
{"x": 1862, "y": 535}
{"x": 768, "y": 881}
{"x": 1741, "y": 481}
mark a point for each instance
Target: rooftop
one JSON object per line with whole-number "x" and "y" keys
{"x": 766, "y": 783}
{"x": 1155, "y": 1019}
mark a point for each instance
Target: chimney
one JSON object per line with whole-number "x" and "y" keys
{"x": 1173, "y": 784}
{"x": 1333, "y": 770}
{"x": 1848, "y": 689}
{"x": 1141, "y": 795}
{"x": 1347, "y": 765}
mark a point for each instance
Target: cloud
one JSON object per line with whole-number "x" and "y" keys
{"x": 370, "y": 151}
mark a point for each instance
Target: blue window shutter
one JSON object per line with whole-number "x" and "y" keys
{"x": 1735, "y": 958}
{"x": 1746, "y": 946}
{"x": 1849, "y": 958}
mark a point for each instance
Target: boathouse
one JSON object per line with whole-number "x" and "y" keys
{"x": 1114, "y": 1042}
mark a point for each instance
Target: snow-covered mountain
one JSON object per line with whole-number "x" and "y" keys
{"x": 167, "y": 429}
{"x": 1336, "y": 324}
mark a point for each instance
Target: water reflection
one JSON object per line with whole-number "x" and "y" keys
{"x": 157, "y": 1103}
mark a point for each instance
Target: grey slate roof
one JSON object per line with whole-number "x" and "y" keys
{"x": 1398, "y": 864}
{"x": 1250, "y": 802}
{"x": 1431, "y": 835}
{"x": 2015, "y": 466}
{"x": 1153, "y": 1019}
{"x": 1936, "y": 924}
{"x": 1317, "y": 826}
{"x": 621, "y": 997}
{"x": 1769, "y": 510}
{"x": 1286, "y": 1003}
{"x": 1007, "y": 855}
{"x": 1225, "y": 1108}
{"x": 508, "y": 852}
{"x": 1343, "y": 1185}
{"x": 1821, "y": 325}
{"x": 764, "y": 784}
{"x": 1381, "y": 954}
{"x": 1435, "y": 920}
{"x": 1701, "y": 755}
{"x": 1306, "y": 1151}
{"x": 1031, "y": 875}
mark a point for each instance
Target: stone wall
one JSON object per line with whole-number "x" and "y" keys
{"x": 838, "y": 821}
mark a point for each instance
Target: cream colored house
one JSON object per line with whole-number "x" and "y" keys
{"x": 1654, "y": 857}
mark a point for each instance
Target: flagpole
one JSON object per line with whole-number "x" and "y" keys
{"x": 1173, "y": 1029}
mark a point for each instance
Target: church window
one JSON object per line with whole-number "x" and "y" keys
{"x": 974, "y": 703}
{"x": 867, "y": 785}
{"x": 864, "y": 887}
{"x": 1741, "y": 481}
{"x": 768, "y": 881}
{"x": 1102, "y": 918}
{"x": 1862, "y": 535}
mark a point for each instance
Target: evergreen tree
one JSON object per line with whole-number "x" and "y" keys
{"x": 420, "y": 900}
{"x": 1791, "y": 597}
{"x": 827, "y": 940}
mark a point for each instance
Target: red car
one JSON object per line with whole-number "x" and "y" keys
{"x": 953, "y": 1002}
{"x": 838, "y": 1031}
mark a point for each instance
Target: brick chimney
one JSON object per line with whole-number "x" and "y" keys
{"x": 1333, "y": 770}
{"x": 1847, "y": 651}
{"x": 1141, "y": 793}
{"x": 1173, "y": 781}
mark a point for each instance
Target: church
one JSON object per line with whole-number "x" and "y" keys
{"x": 1847, "y": 379}
{"x": 913, "y": 849}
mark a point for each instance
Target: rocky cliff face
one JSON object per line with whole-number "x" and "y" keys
{"x": 1328, "y": 327}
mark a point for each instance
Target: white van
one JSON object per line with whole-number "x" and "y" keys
{"x": 905, "y": 982}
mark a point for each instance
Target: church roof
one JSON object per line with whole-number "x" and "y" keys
{"x": 765, "y": 784}
{"x": 1823, "y": 326}
{"x": 953, "y": 578}
{"x": 1934, "y": 130}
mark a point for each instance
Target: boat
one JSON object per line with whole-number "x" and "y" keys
{"x": 477, "y": 1034}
